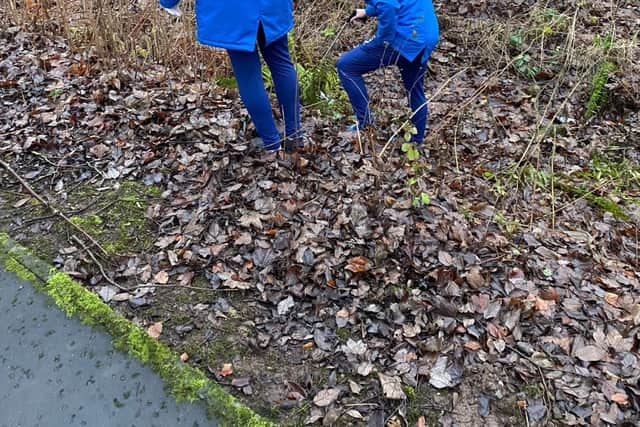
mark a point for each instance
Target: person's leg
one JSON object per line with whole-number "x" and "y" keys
{"x": 248, "y": 73}
{"x": 413, "y": 78}
{"x": 285, "y": 81}
{"x": 352, "y": 66}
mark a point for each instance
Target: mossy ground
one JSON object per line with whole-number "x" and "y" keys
{"x": 184, "y": 381}
{"x": 213, "y": 342}
{"x": 114, "y": 217}
{"x": 117, "y": 220}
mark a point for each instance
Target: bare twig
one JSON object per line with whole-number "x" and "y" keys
{"x": 436, "y": 93}
{"x": 146, "y": 285}
{"x": 93, "y": 257}
{"x": 553, "y": 188}
{"x": 30, "y": 190}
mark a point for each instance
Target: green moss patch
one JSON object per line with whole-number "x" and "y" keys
{"x": 117, "y": 220}
{"x": 185, "y": 382}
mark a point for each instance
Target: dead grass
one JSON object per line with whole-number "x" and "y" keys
{"x": 132, "y": 32}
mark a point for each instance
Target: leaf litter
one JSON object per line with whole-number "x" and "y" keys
{"x": 367, "y": 304}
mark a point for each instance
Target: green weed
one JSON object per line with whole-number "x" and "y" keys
{"x": 598, "y": 93}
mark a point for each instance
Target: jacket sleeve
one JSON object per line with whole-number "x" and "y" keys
{"x": 386, "y": 11}
{"x": 169, "y": 3}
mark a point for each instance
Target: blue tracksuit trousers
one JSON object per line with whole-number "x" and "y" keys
{"x": 370, "y": 56}
{"x": 248, "y": 73}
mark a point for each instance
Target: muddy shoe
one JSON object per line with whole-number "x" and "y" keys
{"x": 300, "y": 142}
{"x": 352, "y": 132}
{"x": 257, "y": 142}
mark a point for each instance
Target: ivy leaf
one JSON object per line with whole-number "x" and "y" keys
{"x": 425, "y": 199}
{"x": 413, "y": 154}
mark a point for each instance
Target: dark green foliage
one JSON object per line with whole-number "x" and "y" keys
{"x": 598, "y": 93}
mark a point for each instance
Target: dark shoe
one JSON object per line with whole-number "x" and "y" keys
{"x": 296, "y": 143}
{"x": 257, "y": 142}
{"x": 350, "y": 132}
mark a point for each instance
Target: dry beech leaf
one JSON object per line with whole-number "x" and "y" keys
{"x": 21, "y": 202}
{"x": 391, "y": 387}
{"x": 161, "y": 277}
{"x": 590, "y": 353}
{"x": 445, "y": 258}
{"x": 326, "y": 397}
{"x": 355, "y": 414}
{"x": 474, "y": 278}
{"x": 550, "y": 294}
{"x": 155, "y": 330}
{"x": 184, "y": 357}
{"x": 227, "y": 369}
{"x": 611, "y": 299}
{"x": 472, "y": 345}
{"x": 358, "y": 264}
{"x": 620, "y": 398}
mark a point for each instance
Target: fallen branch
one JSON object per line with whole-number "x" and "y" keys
{"x": 55, "y": 211}
{"x": 134, "y": 288}
{"x": 93, "y": 257}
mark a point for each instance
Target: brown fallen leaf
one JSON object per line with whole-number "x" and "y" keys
{"x": 148, "y": 157}
{"x": 550, "y": 294}
{"x": 79, "y": 68}
{"x": 326, "y": 397}
{"x": 590, "y": 353}
{"x": 358, "y": 264}
{"x": 474, "y": 278}
{"x": 8, "y": 83}
{"x": 155, "y": 330}
{"x": 391, "y": 387}
{"x": 184, "y": 357}
{"x": 611, "y": 299}
{"x": 445, "y": 258}
{"x": 472, "y": 345}
{"x": 620, "y": 398}
{"x": 354, "y": 414}
{"x": 496, "y": 331}
{"x": 227, "y": 369}
{"x": 161, "y": 277}
{"x": 422, "y": 422}
{"x": 542, "y": 305}
{"x": 186, "y": 278}
{"x": 21, "y": 202}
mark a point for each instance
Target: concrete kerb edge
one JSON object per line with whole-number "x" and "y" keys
{"x": 183, "y": 381}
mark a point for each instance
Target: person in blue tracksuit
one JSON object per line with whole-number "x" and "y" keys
{"x": 243, "y": 28}
{"x": 406, "y": 34}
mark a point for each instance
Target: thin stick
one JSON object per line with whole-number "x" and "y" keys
{"x": 537, "y": 137}
{"x": 104, "y": 274}
{"x": 26, "y": 185}
{"x": 133, "y": 288}
{"x": 553, "y": 181}
{"x": 585, "y": 195}
{"x": 437, "y": 92}
{"x": 455, "y": 144}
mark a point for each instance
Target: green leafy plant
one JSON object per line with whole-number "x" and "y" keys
{"x": 329, "y": 32}
{"x": 411, "y": 151}
{"x": 54, "y": 93}
{"x": 415, "y": 184}
{"x": 523, "y": 65}
{"x": 598, "y": 94}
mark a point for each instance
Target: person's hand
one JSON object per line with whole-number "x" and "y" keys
{"x": 175, "y": 11}
{"x": 358, "y": 15}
